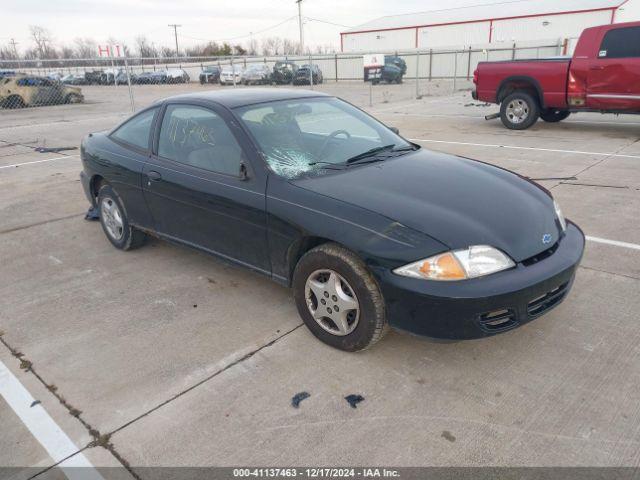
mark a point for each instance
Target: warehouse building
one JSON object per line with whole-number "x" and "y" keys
{"x": 487, "y": 24}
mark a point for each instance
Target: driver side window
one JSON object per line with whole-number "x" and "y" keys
{"x": 198, "y": 137}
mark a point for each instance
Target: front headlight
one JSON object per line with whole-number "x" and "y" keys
{"x": 560, "y": 215}
{"x": 473, "y": 262}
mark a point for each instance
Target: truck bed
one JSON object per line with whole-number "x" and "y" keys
{"x": 550, "y": 72}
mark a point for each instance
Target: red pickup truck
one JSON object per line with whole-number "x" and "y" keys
{"x": 603, "y": 76}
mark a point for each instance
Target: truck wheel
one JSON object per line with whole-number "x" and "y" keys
{"x": 554, "y": 116}
{"x": 338, "y": 298}
{"x": 519, "y": 111}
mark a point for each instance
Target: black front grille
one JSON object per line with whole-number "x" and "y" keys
{"x": 498, "y": 320}
{"x": 541, "y": 256}
{"x": 543, "y": 303}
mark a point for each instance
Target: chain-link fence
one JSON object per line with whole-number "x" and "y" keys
{"x": 122, "y": 82}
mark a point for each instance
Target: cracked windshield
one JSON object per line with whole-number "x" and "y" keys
{"x": 316, "y": 135}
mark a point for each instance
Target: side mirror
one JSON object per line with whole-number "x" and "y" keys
{"x": 395, "y": 130}
{"x": 244, "y": 174}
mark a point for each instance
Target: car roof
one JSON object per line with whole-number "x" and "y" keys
{"x": 248, "y": 96}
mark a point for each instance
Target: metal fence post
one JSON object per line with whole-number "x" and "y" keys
{"x": 455, "y": 71}
{"x": 417, "y": 74}
{"x": 430, "y": 63}
{"x": 311, "y": 71}
{"x": 513, "y": 51}
{"x": 233, "y": 73}
{"x": 336, "y": 64}
{"x": 126, "y": 68}
{"x": 469, "y": 65}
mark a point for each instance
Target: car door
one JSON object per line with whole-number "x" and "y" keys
{"x": 201, "y": 188}
{"x": 614, "y": 76}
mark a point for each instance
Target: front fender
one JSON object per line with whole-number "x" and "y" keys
{"x": 295, "y": 214}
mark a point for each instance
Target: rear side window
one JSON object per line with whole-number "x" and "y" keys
{"x": 199, "y": 137}
{"x": 621, "y": 43}
{"x": 137, "y": 130}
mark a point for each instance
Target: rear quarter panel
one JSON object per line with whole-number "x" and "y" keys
{"x": 122, "y": 168}
{"x": 548, "y": 76}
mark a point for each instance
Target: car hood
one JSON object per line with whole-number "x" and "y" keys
{"x": 457, "y": 201}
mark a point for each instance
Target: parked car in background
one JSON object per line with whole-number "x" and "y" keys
{"x": 316, "y": 194}
{"x": 57, "y": 76}
{"x": 210, "y": 74}
{"x": 121, "y": 77}
{"x": 177, "y": 75}
{"x": 7, "y": 73}
{"x": 93, "y": 77}
{"x": 303, "y": 75}
{"x": 31, "y": 90}
{"x": 228, "y": 75}
{"x": 74, "y": 79}
{"x": 603, "y": 76}
{"x": 283, "y": 72}
{"x": 257, "y": 74}
{"x": 154, "y": 77}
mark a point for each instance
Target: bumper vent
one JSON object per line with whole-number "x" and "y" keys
{"x": 498, "y": 320}
{"x": 545, "y": 302}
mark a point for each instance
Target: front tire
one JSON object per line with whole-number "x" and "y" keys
{"x": 115, "y": 223}
{"x": 14, "y": 101}
{"x": 339, "y": 299}
{"x": 554, "y": 116}
{"x": 519, "y": 111}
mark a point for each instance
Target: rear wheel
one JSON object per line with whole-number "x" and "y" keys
{"x": 73, "y": 98}
{"x": 519, "y": 111}
{"x": 14, "y": 101}
{"x": 551, "y": 115}
{"x": 338, "y": 298}
{"x": 115, "y": 223}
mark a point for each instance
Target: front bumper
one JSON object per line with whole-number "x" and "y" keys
{"x": 484, "y": 306}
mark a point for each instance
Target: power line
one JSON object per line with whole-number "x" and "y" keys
{"x": 241, "y": 36}
{"x": 328, "y": 23}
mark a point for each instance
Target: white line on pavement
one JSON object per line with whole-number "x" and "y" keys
{"x": 57, "y": 444}
{"x": 15, "y": 165}
{"x": 615, "y": 243}
{"x": 514, "y": 147}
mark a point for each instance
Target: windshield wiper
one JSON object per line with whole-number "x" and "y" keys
{"x": 369, "y": 153}
{"x": 329, "y": 165}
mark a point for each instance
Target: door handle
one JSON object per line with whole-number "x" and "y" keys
{"x": 153, "y": 175}
{"x": 596, "y": 67}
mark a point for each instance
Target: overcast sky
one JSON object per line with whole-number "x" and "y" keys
{"x": 201, "y": 20}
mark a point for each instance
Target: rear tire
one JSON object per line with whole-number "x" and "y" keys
{"x": 73, "y": 98}
{"x": 14, "y": 101}
{"x": 339, "y": 278}
{"x": 554, "y": 116}
{"x": 114, "y": 221}
{"x": 519, "y": 111}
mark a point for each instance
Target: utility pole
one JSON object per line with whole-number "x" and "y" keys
{"x": 299, "y": 2}
{"x": 13, "y": 43}
{"x": 175, "y": 32}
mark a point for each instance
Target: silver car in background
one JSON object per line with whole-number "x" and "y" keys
{"x": 257, "y": 74}
{"x": 231, "y": 75}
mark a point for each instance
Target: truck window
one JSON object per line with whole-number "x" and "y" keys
{"x": 621, "y": 43}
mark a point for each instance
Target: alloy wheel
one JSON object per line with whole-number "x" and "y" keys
{"x": 518, "y": 111}
{"x": 332, "y": 302}
{"x": 112, "y": 218}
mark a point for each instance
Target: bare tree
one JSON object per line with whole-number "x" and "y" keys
{"x": 43, "y": 41}
{"x": 290, "y": 47}
{"x": 85, "y": 47}
{"x": 144, "y": 47}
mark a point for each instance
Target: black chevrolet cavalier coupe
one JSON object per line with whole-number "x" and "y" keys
{"x": 369, "y": 229}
